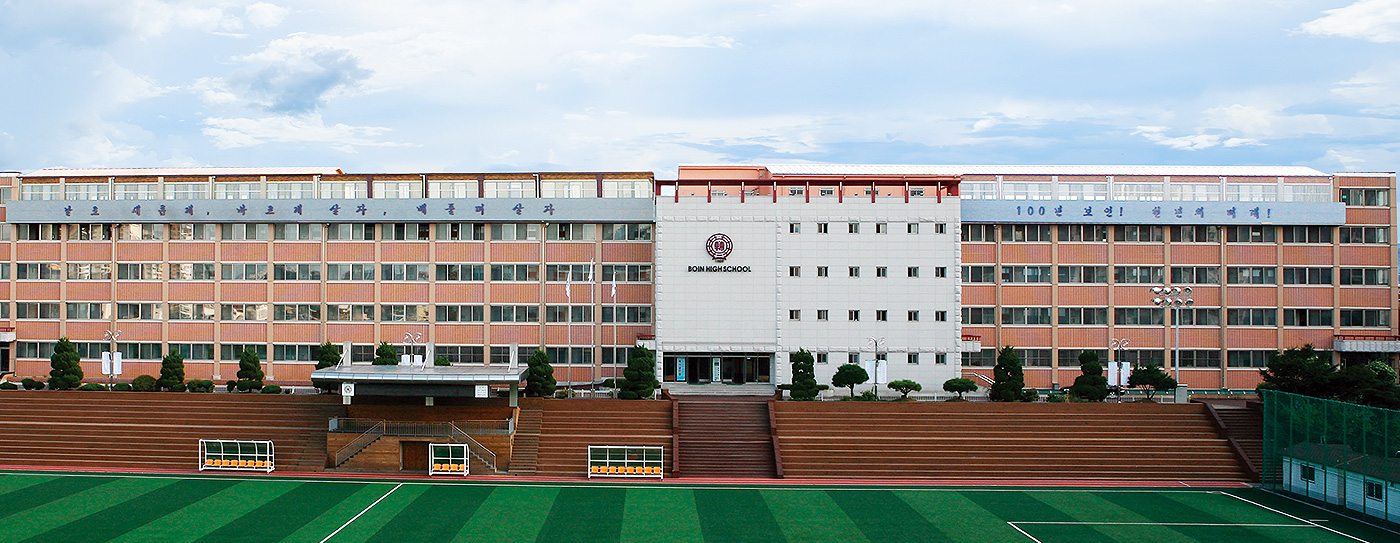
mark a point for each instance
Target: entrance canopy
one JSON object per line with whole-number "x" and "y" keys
{"x": 406, "y": 380}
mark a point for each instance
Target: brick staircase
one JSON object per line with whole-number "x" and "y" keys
{"x": 724, "y": 437}
{"x": 568, "y": 427}
{"x": 526, "y": 452}
{"x": 134, "y": 430}
{"x": 1002, "y": 441}
{"x": 1245, "y": 424}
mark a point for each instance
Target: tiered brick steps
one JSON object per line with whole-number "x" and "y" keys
{"x": 724, "y": 437}
{"x": 1244, "y": 422}
{"x": 1002, "y": 441}
{"x": 568, "y": 427}
{"x": 134, "y": 430}
{"x": 526, "y": 452}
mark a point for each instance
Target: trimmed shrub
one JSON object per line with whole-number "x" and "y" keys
{"x": 199, "y": 385}
{"x": 1008, "y": 381}
{"x": 864, "y": 396}
{"x": 442, "y": 361}
{"x": 327, "y": 354}
{"x": 804, "y": 377}
{"x": 245, "y": 385}
{"x": 177, "y": 387}
{"x": 849, "y": 375}
{"x": 539, "y": 375}
{"x": 90, "y": 387}
{"x": 172, "y": 371}
{"x": 959, "y": 386}
{"x": 905, "y": 386}
{"x": 250, "y": 373}
{"x": 1152, "y": 378}
{"x": 8, "y": 386}
{"x": 122, "y": 387}
{"x": 230, "y": 386}
{"x": 1091, "y": 386}
{"x": 144, "y": 383}
{"x": 271, "y": 389}
{"x": 386, "y": 355}
{"x": 639, "y": 379}
{"x": 32, "y": 384}
{"x": 66, "y": 373}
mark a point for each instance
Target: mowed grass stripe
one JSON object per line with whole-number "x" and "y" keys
{"x": 136, "y": 511}
{"x": 209, "y": 514}
{"x": 810, "y": 516}
{"x": 43, "y": 518}
{"x": 661, "y": 514}
{"x": 319, "y": 527}
{"x": 19, "y": 500}
{"x": 1161, "y": 508}
{"x": 882, "y": 516}
{"x": 12, "y": 483}
{"x": 1227, "y": 507}
{"x": 585, "y": 514}
{"x": 284, "y": 514}
{"x": 1091, "y": 507}
{"x": 436, "y": 515}
{"x": 369, "y": 524}
{"x": 509, "y": 514}
{"x": 958, "y": 517}
{"x": 735, "y": 515}
{"x": 1019, "y": 506}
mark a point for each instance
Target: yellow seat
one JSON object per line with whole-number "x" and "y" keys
{"x": 612, "y": 469}
{"x": 208, "y": 461}
{"x": 592, "y": 469}
{"x": 438, "y": 467}
{"x": 630, "y": 470}
{"x": 461, "y": 467}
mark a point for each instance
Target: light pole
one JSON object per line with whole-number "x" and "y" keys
{"x": 876, "y": 344}
{"x": 1119, "y": 345}
{"x": 410, "y": 340}
{"x": 111, "y": 336}
{"x": 1175, "y": 298}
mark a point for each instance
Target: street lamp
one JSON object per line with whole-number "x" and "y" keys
{"x": 1175, "y": 298}
{"x": 876, "y": 344}
{"x": 1119, "y": 345}
{"x": 114, "y": 367}
{"x": 411, "y": 340}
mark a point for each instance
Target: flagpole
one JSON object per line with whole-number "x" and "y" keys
{"x": 569, "y": 326}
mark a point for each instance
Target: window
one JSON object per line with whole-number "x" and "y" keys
{"x": 38, "y": 232}
{"x": 1025, "y": 315}
{"x": 355, "y": 272}
{"x": 1083, "y": 274}
{"x": 913, "y": 316}
{"x": 194, "y": 351}
{"x": 979, "y": 232}
{"x": 979, "y": 315}
{"x": 1199, "y": 358}
{"x": 1251, "y": 317}
{"x": 243, "y": 312}
{"x": 1371, "y": 318}
{"x": 794, "y": 271}
{"x": 854, "y": 271}
{"x": 1374, "y": 490}
{"x": 1083, "y": 232}
{"x": 195, "y": 232}
{"x": 794, "y": 314}
{"x": 408, "y": 312}
{"x": 140, "y": 311}
{"x": 1364, "y": 234}
{"x": 284, "y": 190}
{"x": 1251, "y": 234}
{"x": 460, "y": 272}
{"x": 853, "y": 358}
{"x": 577, "y": 356}
{"x": 1307, "y": 317}
{"x": 463, "y": 355}
{"x": 350, "y": 232}
{"x": 230, "y": 352}
{"x": 796, "y": 191}
{"x": 1366, "y": 197}
{"x": 515, "y": 313}
{"x": 1138, "y": 192}
{"x": 1196, "y": 234}
{"x": 403, "y": 272}
{"x": 130, "y": 351}
{"x": 87, "y": 191}
{"x": 303, "y": 353}
{"x": 1365, "y": 276}
{"x": 237, "y": 191}
{"x": 89, "y": 232}
{"x": 632, "y": 273}
{"x": 38, "y": 192}
{"x": 1195, "y": 275}
{"x": 822, "y": 227}
{"x": 882, "y": 315}
{"x": 1251, "y": 275}
{"x": 853, "y": 314}
{"x": 1070, "y": 357}
{"x": 520, "y": 272}
{"x": 398, "y": 189}
{"x": 568, "y": 313}
{"x": 821, "y": 271}
{"x": 1198, "y": 316}
{"x": 940, "y": 316}
{"x": 1251, "y": 192}
{"x": 297, "y": 312}
{"x": 37, "y": 310}
{"x": 1025, "y": 274}
{"x": 407, "y": 231}
{"x": 90, "y": 272}
{"x": 191, "y": 312}
{"x": 938, "y": 228}
{"x": 508, "y": 189}
{"x": 794, "y": 228}
{"x": 501, "y": 355}
{"x": 984, "y": 358}
{"x": 1307, "y": 234}
{"x": 821, "y": 314}
{"x": 564, "y": 272}
{"x": 1307, "y": 473}
{"x": 1137, "y": 233}
{"x": 912, "y": 358}
{"x": 296, "y": 232}
{"x": 570, "y": 232}
{"x": 461, "y": 231}
{"x": 1195, "y": 192}
{"x": 1137, "y": 274}
{"x": 90, "y": 310}
{"x": 515, "y": 232}
{"x": 979, "y": 274}
{"x": 243, "y": 272}
{"x": 38, "y": 270}
{"x": 140, "y": 232}
{"x": 882, "y": 228}
{"x": 1248, "y": 359}
{"x": 881, "y": 271}
{"x": 350, "y": 312}
{"x": 821, "y": 357}
{"x": 140, "y": 272}
{"x": 1307, "y": 276}
{"x": 1083, "y": 315}
{"x": 938, "y": 271}
{"x": 296, "y": 272}
{"x": 911, "y": 228}
{"x": 853, "y": 228}
{"x": 1025, "y": 232}
{"x": 1131, "y": 316}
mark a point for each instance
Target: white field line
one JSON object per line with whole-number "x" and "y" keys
{"x": 366, "y": 510}
{"x": 1023, "y": 532}
{"x": 1267, "y": 508}
{"x": 1213, "y": 525}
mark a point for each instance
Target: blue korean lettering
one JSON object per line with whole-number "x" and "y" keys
{"x": 335, "y": 209}
{"x": 269, "y": 211}
{"x": 451, "y": 209}
{"x": 1108, "y": 211}
{"x": 1230, "y": 212}
{"x": 136, "y": 210}
{"x": 241, "y": 209}
{"x": 518, "y": 208}
{"x": 361, "y": 209}
{"x": 297, "y": 209}
{"x": 94, "y": 211}
{"x": 549, "y": 208}
{"x": 481, "y": 208}
{"x": 1254, "y": 213}
{"x": 1200, "y": 212}
{"x": 68, "y": 211}
{"x": 1059, "y": 211}
{"x": 1157, "y": 211}
{"x": 1088, "y": 212}
{"x": 423, "y": 208}
{"x": 1177, "y": 212}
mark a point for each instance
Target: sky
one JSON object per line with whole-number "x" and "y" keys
{"x": 420, "y": 86}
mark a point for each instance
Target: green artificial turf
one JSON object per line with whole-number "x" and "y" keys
{"x": 53, "y": 507}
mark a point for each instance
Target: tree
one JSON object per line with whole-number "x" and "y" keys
{"x": 442, "y": 361}
{"x": 1372, "y": 383}
{"x": 959, "y": 386}
{"x": 172, "y": 372}
{"x": 1302, "y": 370}
{"x": 67, "y": 372}
{"x": 804, "y": 377}
{"x": 539, "y": 375}
{"x": 1091, "y": 385}
{"x": 1008, "y": 383}
{"x": 1152, "y": 377}
{"x": 639, "y": 379}
{"x": 904, "y": 387}
{"x": 386, "y": 355}
{"x": 250, "y": 373}
{"x": 327, "y": 355}
{"x": 849, "y": 375}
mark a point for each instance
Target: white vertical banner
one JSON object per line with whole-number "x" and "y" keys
{"x": 514, "y": 354}
{"x": 405, "y": 360}
{"x": 418, "y": 361}
{"x": 1124, "y": 371}
{"x": 881, "y": 371}
{"x": 106, "y": 363}
{"x": 1112, "y": 373}
{"x": 116, "y": 363}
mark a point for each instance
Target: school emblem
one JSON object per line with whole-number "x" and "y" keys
{"x": 719, "y": 246}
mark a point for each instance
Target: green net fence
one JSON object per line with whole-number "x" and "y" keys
{"x": 1343, "y": 454}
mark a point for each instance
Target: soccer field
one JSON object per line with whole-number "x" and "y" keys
{"x": 57, "y": 507}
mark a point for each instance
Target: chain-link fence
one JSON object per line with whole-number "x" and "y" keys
{"x": 1341, "y": 454}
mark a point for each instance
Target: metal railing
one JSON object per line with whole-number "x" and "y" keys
{"x": 359, "y": 443}
{"x": 476, "y": 449}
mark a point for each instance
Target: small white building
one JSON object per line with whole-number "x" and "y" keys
{"x": 754, "y": 263}
{"x": 1336, "y": 475}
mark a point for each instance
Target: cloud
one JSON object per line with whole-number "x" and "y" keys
{"x": 293, "y": 75}
{"x": 1264, "y": 123}
{"x": 265, "y": 15}
{"x": 1195, "y": 142}
{"x": 1377, "y": 87}
{"x": 1371, "y": 20}
{"x": 701, "y": 40}
{"x": 233, "y": 133}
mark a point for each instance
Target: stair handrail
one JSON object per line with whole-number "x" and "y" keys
{"x": 1224, "y": 431}
{"x": 359, "y": 443}
{"x": 476, "y": 448}
{"x": 988, "y": 380}
{"x": 773, "y": 432}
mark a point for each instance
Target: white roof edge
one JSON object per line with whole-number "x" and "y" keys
{"x": 116, "y": 172}
{"x": 890, "y": 169}
{"x": 1365, "y": 174}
